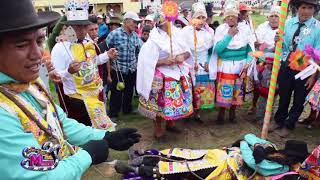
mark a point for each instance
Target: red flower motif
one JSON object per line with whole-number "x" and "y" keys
{"x": 298, "y": 60}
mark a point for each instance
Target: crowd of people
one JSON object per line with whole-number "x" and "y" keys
{"x": 198, "y": 65}
{"x": 176, "y": 68}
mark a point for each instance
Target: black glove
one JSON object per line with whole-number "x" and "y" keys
{"x": 98, "y": 150}
{"x": 122, "y": 139}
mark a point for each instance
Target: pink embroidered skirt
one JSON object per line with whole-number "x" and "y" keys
{"x": 169, "y": 99}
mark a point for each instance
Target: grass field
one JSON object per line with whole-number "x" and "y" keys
{"x": 198, "y": 136}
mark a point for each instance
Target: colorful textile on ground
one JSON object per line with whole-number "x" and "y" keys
{"x": 310, "y": 169}
{"x": 229, "y": 90}
{"x": 187, "y": 154}
{"x": 169, "y": 99}
{"x": 314, "y": 96}
{"x": 204, "y": 92}
{"x": 182, "y": 167}
{"x": 210, "y": 160}
{"x": 89, "y": 84}
{"x": 50, "y": 121}
{"x": 229, "y": 167}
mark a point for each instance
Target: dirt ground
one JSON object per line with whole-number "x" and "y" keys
{"x": 199, "y": 136}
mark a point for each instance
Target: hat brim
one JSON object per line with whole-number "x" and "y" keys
{"x": 77, "y": 22}
{"x": 110, "y": 23}
{"x": 137, "y": 20}
{"x": 246, "y": 9}
{"x": 143, "y": 14}
{"x": 296, "y": 2}
{"x": 296, "y": 154}
{"x": 44, "y": 19}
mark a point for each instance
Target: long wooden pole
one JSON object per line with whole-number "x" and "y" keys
{"x": 275, "y": 69}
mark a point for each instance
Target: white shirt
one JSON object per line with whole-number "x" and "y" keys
{"x": 205, "y": 40}
{"x": 266, "y": 34}
{"x": 158, "y": 47}
{"x": 252, "y": 34}
{"x": 62, "y": 57}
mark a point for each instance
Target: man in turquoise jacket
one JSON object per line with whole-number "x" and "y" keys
{"x": 37, "y": 139}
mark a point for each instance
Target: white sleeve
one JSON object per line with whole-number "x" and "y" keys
{"x": 260, "y": 33}
{"x": 102, "y": 58}
{"x": 212, "y": 38}
{"x": 61, "y": 59}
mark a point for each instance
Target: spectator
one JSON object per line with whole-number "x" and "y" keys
{"x": 103, "y": 28}
{"x": 149, "y": 21}
{"x": 30, "y": 120}
{"x": 264, "y": 76}
{"x": 93, "y": 31}
{"x": 265, "y": 34}
{"x": 114, "y": 23}
{"x": 244, "y": 19}
{"x": 184, "y": 17}
{"x": 126, "y": 41}
{"x": 163, "y": 82}
{"x": 203, "y": 86}
{"x": 232, "y": 45}
{"x": 145, "y": 33}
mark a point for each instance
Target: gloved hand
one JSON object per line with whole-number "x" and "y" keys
{"x": 98, "y": 150}
{"x": 122, "y": 139}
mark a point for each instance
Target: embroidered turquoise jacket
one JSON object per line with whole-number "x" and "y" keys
{"x": 13, "y": 139}
{"x": 265, "y": 167}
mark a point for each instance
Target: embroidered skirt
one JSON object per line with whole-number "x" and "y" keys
{"x": 169, "y": 99}
{"x": 230, "y": 88}
{"x": 314, "y": 96}
{"x": 204, "y": 92}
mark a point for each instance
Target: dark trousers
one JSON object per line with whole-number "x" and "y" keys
{"x": 288, "y": 85}
{"x": 75, "y": 107}
{"x": 121, "y": 99}
{"x": 77, "y": 110}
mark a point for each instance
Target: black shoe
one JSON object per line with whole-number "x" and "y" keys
{"x": 220, "y": 119}
{"x": 232, "y": 116}
{"x": 274, "y": 126}
{"x": 198, "y": 119}
{"x": 233, "y": 120}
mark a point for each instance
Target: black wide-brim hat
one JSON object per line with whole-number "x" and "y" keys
{"x": 18, "y": 15}
{"x": 296, "y": 3}
{"x": 297, "y": 149}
